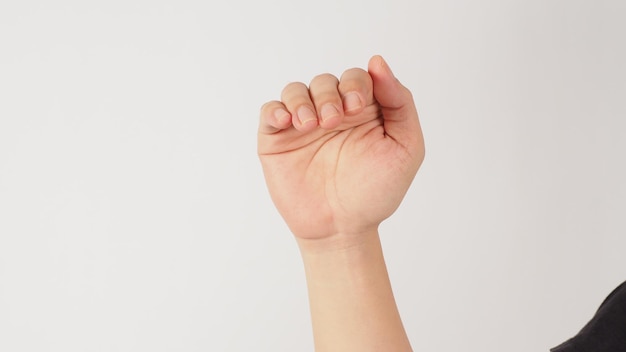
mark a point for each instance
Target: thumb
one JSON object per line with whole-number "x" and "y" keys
{"x": 399, "y": 113}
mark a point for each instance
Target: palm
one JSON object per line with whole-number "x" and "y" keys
{"x": 328, "y": 181}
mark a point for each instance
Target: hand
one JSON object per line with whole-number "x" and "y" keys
{"x": 339, "y": 156}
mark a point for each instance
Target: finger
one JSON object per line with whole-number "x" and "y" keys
{"x": 388, "y": 91}
{"x": 274, "y": 117}
{"x": 355, "y": 88}
{"x": 325, "y": 96}
{"x": 399, "y": 113}
{"x": 296, "y": 98}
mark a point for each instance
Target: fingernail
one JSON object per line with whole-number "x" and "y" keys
{"x": 281, "y": 115}
{"x": 385, "y": 66}
{"x": 352, "y": 102}
{"x": 306, "y": 115}
{"x": 329, "y": 111}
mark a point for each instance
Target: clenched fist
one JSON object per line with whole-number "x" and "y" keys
{"x": 340, "y": 154}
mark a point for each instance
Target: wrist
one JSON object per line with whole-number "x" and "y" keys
{"x": 343, "y": 242}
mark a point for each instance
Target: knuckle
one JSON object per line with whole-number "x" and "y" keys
{"x": 268, "y": 105}
{"x": 408, "y": 94}
{"x": 324, "y": 89}
{"x": 294, "y": 90}
{"x": 354, "y": 74}
{"x": 296, "y": 84}
{"x": 356, "y": 71}
{"x": 323, "y": 78}
{"x": 355, "y": 79}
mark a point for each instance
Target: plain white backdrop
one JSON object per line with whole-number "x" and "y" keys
{"x": 133, "y": 211}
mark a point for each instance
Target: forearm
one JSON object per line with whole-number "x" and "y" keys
{"x": 352, "y": 304}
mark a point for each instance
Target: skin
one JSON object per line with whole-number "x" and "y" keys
{"x": 338, "y": 157}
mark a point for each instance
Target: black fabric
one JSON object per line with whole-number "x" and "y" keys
{"x": 606, "y": 332}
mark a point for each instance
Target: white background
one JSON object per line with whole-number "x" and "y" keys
{"x": 133, "y": 211}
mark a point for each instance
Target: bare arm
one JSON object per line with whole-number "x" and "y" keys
{"x": 352, "y": 305}
{"x": 338, "y": 157}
